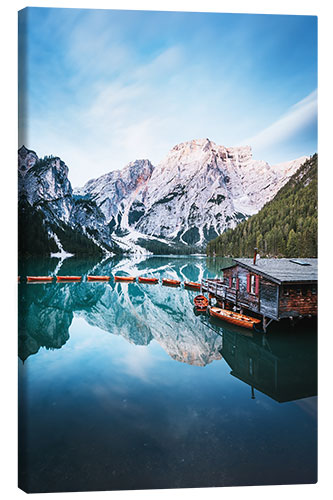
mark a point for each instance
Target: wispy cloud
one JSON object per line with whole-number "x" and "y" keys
{"x": 298, "y": 118}
{"x": 139, "y": 363}
{"x": 108, "y": 87}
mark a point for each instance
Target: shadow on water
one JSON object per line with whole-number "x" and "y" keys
{"x": 283, "y": 367}
{"x": 142, "y": 393}
{"x": 281, "y": 364}
{"x": 139, "y": 313}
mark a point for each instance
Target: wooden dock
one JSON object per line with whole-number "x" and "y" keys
{"x": 223, "y": 293}
{"x": 271, "y": 288}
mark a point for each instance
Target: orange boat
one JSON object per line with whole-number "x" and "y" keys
{"x": 233, "y": 317}
{"x": 201, "y": 303}
{"x": 98, "y": 278}
{"x": 124, "y": 278}
{"x": 69, "y": 278}
{"x": 39, "y": 278}
{"x": 192, "y": 284}
{"x": 168, "y": 282}
{"x": 147, "y": 280}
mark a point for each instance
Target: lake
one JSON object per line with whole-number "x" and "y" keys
{"x": 123, "y": 386}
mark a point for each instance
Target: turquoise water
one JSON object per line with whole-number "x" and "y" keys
{"x": 122, "y": 386}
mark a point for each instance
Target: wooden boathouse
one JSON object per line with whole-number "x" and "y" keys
{"x": 271, "y": 288}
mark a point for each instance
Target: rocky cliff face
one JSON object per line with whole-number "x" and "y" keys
{"x": 48, "y": 207}
{"x": 112, "y": 192}
{"x": 45, "y": 182}
{"x": 198, "y": 191}
{"x": 26, "y": 160}
{"x": 140, "y": 314}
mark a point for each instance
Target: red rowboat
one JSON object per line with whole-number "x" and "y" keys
{"x": 233, "y": 317}
{"x": 168, "y": 282}
{"x": 98, "y": 278}
{"x": 39, "y": 278}
{"x": 192, "y": 284}
{"x": 201, "y": 303}
{"x": 147, "y": 280}
{"x": 124, "y": 278}
{"x": 69, "y": 278}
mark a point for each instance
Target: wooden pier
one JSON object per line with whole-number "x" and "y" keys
{"x": 270, "y": 288}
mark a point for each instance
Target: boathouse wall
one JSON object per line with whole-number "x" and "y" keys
{"x": 268, "y": 298}
{"x": 274, "y": 288}
{"x": 298, "y": 300}
{"x": 251, "y": 291}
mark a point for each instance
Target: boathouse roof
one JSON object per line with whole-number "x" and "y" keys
{"x": 283, "y": 270}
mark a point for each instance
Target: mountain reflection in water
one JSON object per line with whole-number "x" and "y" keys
{"x": 122, "y": 386}
{"x": 279, "y": 365}
{"x": 139, "y": 313}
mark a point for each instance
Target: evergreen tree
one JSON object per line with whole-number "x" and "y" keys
{"x": 284, "y": 227}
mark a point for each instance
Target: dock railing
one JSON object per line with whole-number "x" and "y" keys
{"x": 214, "y": 286}
{"x": 223, "y": 292}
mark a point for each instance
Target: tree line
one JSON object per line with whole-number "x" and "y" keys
{"x": 285, "y": 227}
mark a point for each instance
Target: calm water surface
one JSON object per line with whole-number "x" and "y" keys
{"x": 122, "y": 386}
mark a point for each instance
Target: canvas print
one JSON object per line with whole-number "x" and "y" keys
{"x": 167, "y": 218}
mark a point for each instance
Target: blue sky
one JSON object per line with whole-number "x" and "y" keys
{"x": 100, "y": 88}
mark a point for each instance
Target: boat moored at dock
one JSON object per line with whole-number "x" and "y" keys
{"x": 98, "y": 278}
{"x": 201, "y": 303}
{"x": 31, "y": 279}
{"x": 151, "y": 281}
{"x": 192, "y": 285}
{"x": 233, "y": 317}
{"x": 125, "y": 278}
{"x": 169, "y": 282}
{"x": 69, "y": 278}
{"x": 273, "y": 288}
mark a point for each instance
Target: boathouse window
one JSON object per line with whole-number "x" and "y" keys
{"x": 253, "y": 284}
{"x": 286, "y": 291}
{"x": 314, "y": 290}
{"x": 233, "y": 282}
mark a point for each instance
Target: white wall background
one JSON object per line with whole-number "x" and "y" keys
{"x": 8, "y": 95}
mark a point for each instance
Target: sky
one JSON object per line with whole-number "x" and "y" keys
{"x": 101, "y": 88}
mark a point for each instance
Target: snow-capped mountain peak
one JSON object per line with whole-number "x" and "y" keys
{"x": 196, "y": 192}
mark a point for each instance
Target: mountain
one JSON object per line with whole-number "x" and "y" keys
{"x": 47, "y": 311}
{"x": 50, "y": 218}
{"x": 285, "y": 227}
{"x": 198, "y": 191}
{"x": 112, "y": 192}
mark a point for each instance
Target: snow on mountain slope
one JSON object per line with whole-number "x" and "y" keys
{"x": 113, "y": 192}
{"x": 198, "y": 191}
{"x": 45, "y": 190}
{"x": 43, "y": 181}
